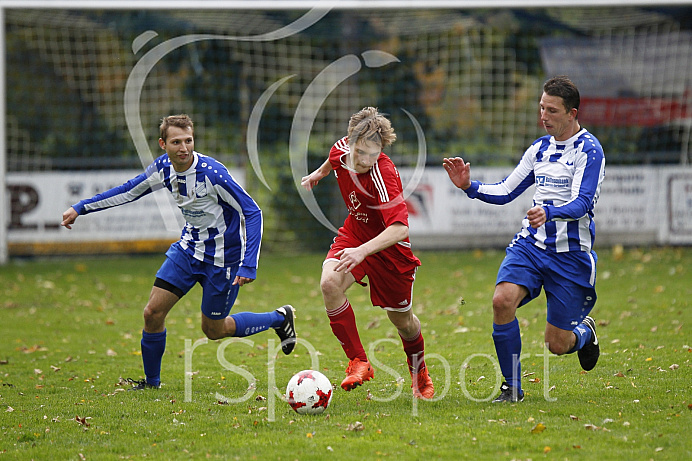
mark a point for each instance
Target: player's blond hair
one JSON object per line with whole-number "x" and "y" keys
{"x": 369, "y": 125}
{"x": 181, "y": 121}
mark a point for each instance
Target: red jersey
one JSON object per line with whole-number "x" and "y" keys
{"x": 374, "y": 201}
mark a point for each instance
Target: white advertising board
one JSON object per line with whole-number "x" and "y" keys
{"x": 637, "y": 205}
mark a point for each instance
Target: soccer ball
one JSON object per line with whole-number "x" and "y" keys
{"x": 309, "y": 392}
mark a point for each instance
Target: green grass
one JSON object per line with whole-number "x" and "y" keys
{"x": 71, "y": 330}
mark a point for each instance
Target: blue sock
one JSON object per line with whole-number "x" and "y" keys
{"x": 250, "y": 323}
{"x": 507, "y": 339}
{"x": 153, "y": 347}
{"x": 583, "y": 334}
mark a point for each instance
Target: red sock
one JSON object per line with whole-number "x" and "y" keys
{"x": 415, "y": 350}
{"x": 343, "y": 323}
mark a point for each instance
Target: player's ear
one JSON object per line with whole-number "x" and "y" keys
{"x": 162, "y": 143}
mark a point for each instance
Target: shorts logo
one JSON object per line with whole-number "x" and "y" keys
{"x": 404, "y": 302}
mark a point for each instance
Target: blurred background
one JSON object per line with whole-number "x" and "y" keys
{"x": 472, "y": 78}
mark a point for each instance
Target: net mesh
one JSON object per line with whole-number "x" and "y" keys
{"x": 470, "y": 78}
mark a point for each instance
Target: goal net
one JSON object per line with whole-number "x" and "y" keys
{"x": 269, "y": 100}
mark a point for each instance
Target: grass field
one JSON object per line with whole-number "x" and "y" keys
{"x": 71, "y": 331}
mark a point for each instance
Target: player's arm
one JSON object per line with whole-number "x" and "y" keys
{"x": 311, "y": 180}
{"x": 132, "y": 190}
{"x": 231, "y": 194}
{"x": 351, "y": 257}
{"x": 589, "y": 173}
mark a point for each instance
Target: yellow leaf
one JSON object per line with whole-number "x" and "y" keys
{"x": 546, "y": 450}
{"x": 649, "y": 359}
{"x": 538, "y": 428}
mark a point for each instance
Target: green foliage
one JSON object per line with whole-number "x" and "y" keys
{"x": 71, "y": 330}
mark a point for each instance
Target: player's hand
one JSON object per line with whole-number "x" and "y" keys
{"x": 349, "y": 258}
{"x": 310, "y": 181}
{"x": 240, "y": 281}
{"x": 458, "y": 171}
{"x": 536, "y": 216}
{"x": 69, "y": 217}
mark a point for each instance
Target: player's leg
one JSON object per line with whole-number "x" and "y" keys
{"x": 342, "y": 321}
{"x": 218, "y": 297}
{"x": 162, "y": 298}
{"x": 519, "y": 280}
{"x": 409, "y": 329}
{"x": 507, "y": 338}
{"x": 173, "y": 280}
{"x": 571, "y": 295}
{"x": 393, "y": 291}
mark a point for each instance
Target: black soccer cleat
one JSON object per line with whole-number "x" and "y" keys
{"x": 287, "y": 330}
{"x": 140, "y": 384}
{"x": 588, "y": 355}
{"x": 509, "y": 394}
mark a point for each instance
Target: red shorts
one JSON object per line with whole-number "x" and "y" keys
{"x": 390, "y": 288}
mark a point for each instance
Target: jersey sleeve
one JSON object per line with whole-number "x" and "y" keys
{"x": 250, "y": 229}
{"x": 134, "y": 189}
{"x": 390, "y": 192}
{"x": 509, "y": 188}
{"x": 589, "y": 173}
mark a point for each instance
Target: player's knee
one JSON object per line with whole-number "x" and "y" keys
{"x": 153, "y": 316}
{"x": 558, "y": 347}
{"x": 330, "y": 286}
{"x": 502, "y": 304}
{"x": 211, "y": 332}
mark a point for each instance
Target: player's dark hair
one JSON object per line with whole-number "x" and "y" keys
{"x": 369, "y": 125}
{"x": 181, "y": 121}
{"x": 561, "y": 86}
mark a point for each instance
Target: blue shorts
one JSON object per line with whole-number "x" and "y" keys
{"x": 218, "y": 292}
{"x": 569, "y": 280}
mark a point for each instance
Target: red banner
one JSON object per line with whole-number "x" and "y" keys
{"x": 632, "y": 111}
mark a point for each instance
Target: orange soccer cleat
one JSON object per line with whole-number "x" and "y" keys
{"x": 422, "y": 384}
{"x": 357, "y": 372}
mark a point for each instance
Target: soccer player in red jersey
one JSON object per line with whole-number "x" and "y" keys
{"x": 372, "y": 242}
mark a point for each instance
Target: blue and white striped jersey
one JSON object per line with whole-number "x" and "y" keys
{"x": 223, "y": 224}
{"x": 567, "y": 175}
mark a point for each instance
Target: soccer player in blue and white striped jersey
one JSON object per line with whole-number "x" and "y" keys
{"x": 219, "y": 247}
{"x": 554, "y": 248}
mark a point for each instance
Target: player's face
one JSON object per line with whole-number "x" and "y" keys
{"x": 556, "y": 120}
{"x": 364, "y": 154}
{"x": 179, "y": 145}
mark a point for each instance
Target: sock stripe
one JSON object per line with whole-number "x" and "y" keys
{"x": 339, "y": 310}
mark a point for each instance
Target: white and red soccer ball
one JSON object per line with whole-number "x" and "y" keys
{"x": 309, "y": 392}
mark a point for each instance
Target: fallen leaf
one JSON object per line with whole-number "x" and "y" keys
{"x": 573, "y": 418}
{"x": 591, "y": 427}
{"x": 82, "y": 421}
{"x": 546, "y": 450}
{"x": 538, "y": 428}
{"x": 356, "y": 427}
{"x": 674, "y": 366}
{"x": 111, "y": 353}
